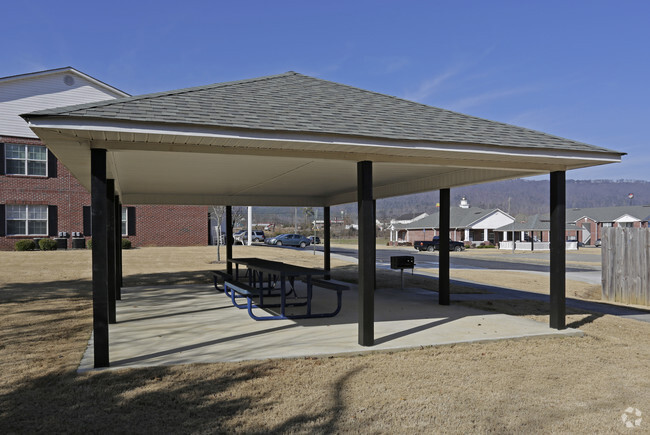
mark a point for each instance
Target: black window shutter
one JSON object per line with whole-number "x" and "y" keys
{"x": 130, "y": 216}
{"x": 53, "y": 221}
{"x": 2, "y": 159}
{"x": 87, "y": 221}
{"x": 51, "y": 165}
{"x": 2, "y": 219}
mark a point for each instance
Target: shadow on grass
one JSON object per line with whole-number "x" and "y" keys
{"x": 82, "y": 288}
{"x": 25, "y": 292}
{"x": 184, "y": 399}
{"x": 584, "y": 321}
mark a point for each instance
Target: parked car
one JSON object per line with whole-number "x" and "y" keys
{"x": 598, "y": 243}
{"x": 433, "y": 245}
{"x": 258, "y": 236}
{"x": 314, "y": 239}
{"x": 242, "y": 237}
{"x": 289, "y": 240}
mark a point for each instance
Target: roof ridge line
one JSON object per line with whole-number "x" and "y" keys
{"x": 131, "y": 98}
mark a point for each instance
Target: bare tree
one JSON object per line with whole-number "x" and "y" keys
{"x": 309, "y": 215}
{"x": 239, "y": 215}
{"x": 217, "y": 213}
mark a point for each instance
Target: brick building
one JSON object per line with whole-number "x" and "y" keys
{"x": 40, "y": 198}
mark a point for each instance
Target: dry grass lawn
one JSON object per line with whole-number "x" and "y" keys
{"x": 559, "y": 385}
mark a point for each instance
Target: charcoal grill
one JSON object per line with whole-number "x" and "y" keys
{"x": 402, "y": 262}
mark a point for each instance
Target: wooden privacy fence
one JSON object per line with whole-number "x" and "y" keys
{"x": 626, "y": 268}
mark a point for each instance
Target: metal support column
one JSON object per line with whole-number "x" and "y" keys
{"x": 99, "y": 255}
{"x": 367, "y": 254}
{"x": 229, "y": 238}
{"x": 443, "y": 248}
{"x": 558, "y": 250}
{"x": 327, "y": 247}
{"x": 110, "y": 251}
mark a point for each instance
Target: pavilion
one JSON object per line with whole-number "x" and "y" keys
{"x": 293, "y": 140}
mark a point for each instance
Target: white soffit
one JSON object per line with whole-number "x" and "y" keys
{"x": 200, "y": 165}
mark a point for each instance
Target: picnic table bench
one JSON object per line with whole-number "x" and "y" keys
{"x": 220, "y": 275}
{"x": 277, "y": 275}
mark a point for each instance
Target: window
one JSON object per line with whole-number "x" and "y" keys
{"x": 608, "y": 224}
{"x": 26, "y": 220}
{"x": 25, "y": 160}
{"x": 125, "y": 221}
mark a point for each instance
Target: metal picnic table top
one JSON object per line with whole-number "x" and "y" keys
{"x": 281, "y": 272}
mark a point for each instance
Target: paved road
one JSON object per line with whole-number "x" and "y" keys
{"x": 458, "y": 261}
{"x": 588, "y": 274}
{"x": 518, "y": 262}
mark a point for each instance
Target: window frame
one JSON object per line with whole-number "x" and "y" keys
{"x": 124, "y": 219}
{"x": 26, "y": 160}
{"x": 27, "y": 220}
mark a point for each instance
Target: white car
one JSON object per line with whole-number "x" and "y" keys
{"x": 242, "y": 237}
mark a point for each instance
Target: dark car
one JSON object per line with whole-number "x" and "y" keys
{"x": 598, "y": 243}
{"x": 314, "y": 239}
{"x": 434, "y": 245}
{"x": 289, "y": 240}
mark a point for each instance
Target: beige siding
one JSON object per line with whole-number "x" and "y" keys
{"x": 29, "y": 94}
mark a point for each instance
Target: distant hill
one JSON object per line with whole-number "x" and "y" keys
{"x": 526, "y": 196}
{"x": 514, "y": 196}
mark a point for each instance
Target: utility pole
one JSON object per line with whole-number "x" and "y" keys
{"x": 315, "y": 227}
{"x": 250, "y": 225}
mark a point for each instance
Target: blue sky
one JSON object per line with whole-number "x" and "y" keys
{"x": 577, "y": 69}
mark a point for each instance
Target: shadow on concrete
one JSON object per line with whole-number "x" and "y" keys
{"x": 198, "y": 345}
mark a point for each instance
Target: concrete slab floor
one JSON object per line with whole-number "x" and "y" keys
{"x": 180, "y": 324}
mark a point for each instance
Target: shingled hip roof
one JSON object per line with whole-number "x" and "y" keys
{"x": 299, "y": 103}
{"x": 293, "y": 140}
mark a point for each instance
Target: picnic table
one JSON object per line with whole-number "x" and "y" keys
{"x": 268, "y": 278}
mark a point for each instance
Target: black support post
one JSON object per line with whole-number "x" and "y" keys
{"x": 327, "y": 246}
{"x": 367, "y": 254}
{"x": 229, "y": 238}
{"x": 110, "y": 249}
{"x": 443, "y": 248}
{"x": 99, "y": 255}
{"x": 558, "y": 250}
{"x": 118, "y": 248}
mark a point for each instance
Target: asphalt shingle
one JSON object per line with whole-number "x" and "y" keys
{"x": 293, "y": 102}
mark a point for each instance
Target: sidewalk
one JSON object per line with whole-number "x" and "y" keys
{"x": 183, "y": 324}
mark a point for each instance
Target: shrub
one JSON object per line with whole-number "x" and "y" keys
{"x": 126, "y": 244}
{"x": 47, "y": 244}
{"x": 25, "y": 245}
